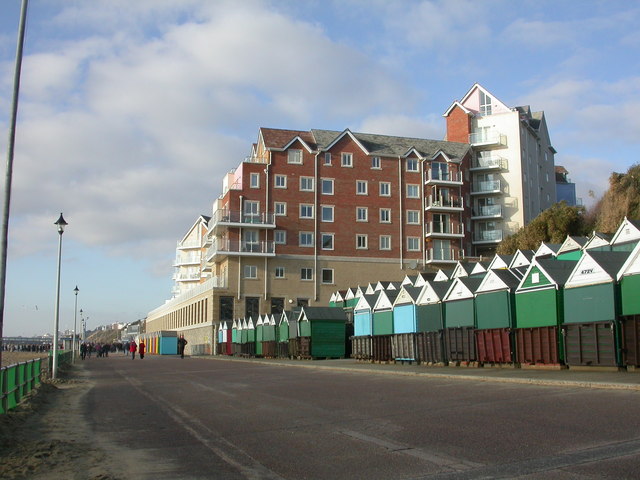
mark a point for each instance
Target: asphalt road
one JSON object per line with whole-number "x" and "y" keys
{"x": 199, "y": 418}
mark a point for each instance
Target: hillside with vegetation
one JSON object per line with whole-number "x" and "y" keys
{"x": 621, "y": 200}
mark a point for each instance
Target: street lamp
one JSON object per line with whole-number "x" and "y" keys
{"x": 60, "y": 223}
{"x": 75, "y": 318}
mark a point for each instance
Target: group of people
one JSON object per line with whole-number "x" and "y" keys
{"x": 102, "y": 350}
{"x": 128, "y": 348}
{"x": 140, "y": 348}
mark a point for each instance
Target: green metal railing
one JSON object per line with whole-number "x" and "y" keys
{"x": 16, "y": 381}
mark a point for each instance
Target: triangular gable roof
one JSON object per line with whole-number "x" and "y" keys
{"x": 351, "y": 293}
{"x": 272, "y": 321}
{"x": 496, "y": 280}
{"x": 260, "y": 321}
{"x": 433, "y": 292}
{"x": 522, "y": 258}
{"x": 447, "y": 158}
{"x": 628, "y": 231}
{"x": 250, "y": 325}
{"x": 298, "y": 139}
{"x": 223, "y": 326}
{"x": 465, "y": 104}
{"x": 382, "y": 285}
{"x": 344, "y": 133}
{"x": 598, "y": 239}
{"x": 385, "y": 300}
{"x": 462, "y": 288}
{"x": 277, "y": 138}
{"x": 234, "y": 325}
{"x": 340, "y": 294}
{"x": 394, "y": 286}
{"x": 371, "y": 288}
{"x": 242, "y": 324}
{"x": 201, "y": 220}
{"x": 455, "y": 104}
{"x": 321, "y": 313}
{"x": 572, "y": 243}
{"x": 596, "y": 268}
{"x": 555, "y": 273}
{"x": 407, "y": 295}
{"x": 367, "y": 302}
{"x": 547, "y": 249}
{"x": 519, "y": 271}
{"x": 632, "y": 264}
{"x": 479, "y": 267}
{"x": 500, "y": 261}
{"x": 360, "y": 291}
{"x": 409, "y": 280}
{"x": 332, "y": 298}
{"x": 443, "y": 275}
{"x": 462, "y": 269}
{"x": 423, "y": 278}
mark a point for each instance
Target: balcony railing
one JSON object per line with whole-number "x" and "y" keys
{"x": 487, "y": 138}
{"x": 487, "y": 236}
{"x": 441, "y": 203}
{"x": 187, "y": 276}
{"x": 187, "y": 259}
{"x": 443, "y": 255}
{"x": 444, "y": 229}
{"x": 493, "y": 162}
{"x": 235, "y": 247}
{"x": 489, "y": 186}
{"x": 487, "y": 211}
{"x": 450, "y": 178}
{"x": 231, "y": 218}
{"x": 190, "y": 244}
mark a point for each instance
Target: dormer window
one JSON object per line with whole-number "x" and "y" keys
{"x": 294, "y": 156}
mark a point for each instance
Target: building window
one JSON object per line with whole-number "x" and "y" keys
{"x": 362, "y": 214}
{"x": 255, "y": 180}
{"x": 280, "y": 237}
{"x": 485, "y": 104}
{"x": 412, "y": 164}
{"x": 306, "y": 210}
{"x": 294, "y": 156}
{"x": 226, "y": 308}
{"x": 385, "y": 189}
{"x": 250, "y": 271}
{"x": 306, "y": 239}
{"x": 375, "y": 162}
{"x": 413, "y": 244}
{"x": 327, "y": 186}
{"x": 327, "y": 213}
{"x": 413, "y": 191}
{"x": 413, "y": 217}
{"x": 327, "y": 275}
{"x": 361, "y": 241}
{"x": 252, "y": 307}
{"x": 346, "y": 159}
{"x": 361, "y": 187}
{"x": 385, "y": 215}
{"x": 306, "y": 184}
{"x": 385, "y": 242}
{"x": 327, "y": 158}
{"x": 280, "y": 208}
{"x": 279, "y": 272}
{"x": 306, "y": 274}
{"x": 280, "y": 181}
{"x": 327, "y": 241}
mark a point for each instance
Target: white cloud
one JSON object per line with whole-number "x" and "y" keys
{"x": 431, "y": 126}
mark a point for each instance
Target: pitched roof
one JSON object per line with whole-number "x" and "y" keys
{"x": 322, "y": 313}
{"x": 276, "y": 138}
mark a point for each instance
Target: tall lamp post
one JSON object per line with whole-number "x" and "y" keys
{"x": 60, "y": 223}
{"x": 75, "y": 319}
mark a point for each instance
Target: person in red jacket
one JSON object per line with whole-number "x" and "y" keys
{"x": 132, "y": 349}
{"x": 141, "y": 349}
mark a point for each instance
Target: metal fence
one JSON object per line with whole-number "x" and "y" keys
{"x": 16, "y": 381}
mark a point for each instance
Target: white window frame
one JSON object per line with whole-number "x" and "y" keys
{"x": 283, "y": 237}
{"x": 325, "y": 282}
{"x": 364, "y": 190}
{"x": 294, "y": 156}
{"x": 362, "y": 241}
{"x": 384, "y": 189}
{"x": 346, "y": 159}
{"x": 326, "y": 182}
{"x": 412, "y": 162}
{"x": 364, "y": 210}
{"x": 305, "y": 235}
{"x": 327, "y": 158}
{"x": 385, "y": 239}
{"x": 307, "y": 184}
{"x": 306, "y": 211}
{"x": 410, "y": 188}
{"x": 376, "y": 163}
{"x": 303, "y": 274}
{"x": 279, "y": 272}
{"x": 385, "y": 215}
{"x": 280, "y": 209}
{"x": 327, "y": 208}
{"x": 250, "y": 272}
{"x": 327, "y": 235}
{"x": 254, "y": 180}
{"x": 413, "y": 213}
{"x": 280, "y": 181}
{"x": 410, "y": 244}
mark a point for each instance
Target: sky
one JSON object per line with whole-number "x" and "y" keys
{"x": 130, "y": 113}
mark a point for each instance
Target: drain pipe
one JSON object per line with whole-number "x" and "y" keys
{"x": 400, "y": 220}
{"x": 239, "y": 243}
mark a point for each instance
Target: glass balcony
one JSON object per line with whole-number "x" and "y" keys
{"x": 487, "y": 211}
{"x": 234, "y": 247}
{"x": 487, "y": 236}
{"x": 224, "y": 218}
{"x": 487, "y": 138}
{"x": 444, "y": 178}
{"x": 493, "y": 162}
{"x": 193, "y": 259}
{"x": 442, "y": 203}
{"x": 489, "y": 186}
{"x": 442, "y": 255}
{"x": 443, "y": 229}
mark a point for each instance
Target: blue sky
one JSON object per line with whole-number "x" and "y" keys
{"x": 131, "y": 112}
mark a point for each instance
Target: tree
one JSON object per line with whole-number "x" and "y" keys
{"x": 621, "y": 200}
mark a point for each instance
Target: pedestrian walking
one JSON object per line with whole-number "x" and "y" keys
{"x": 83, "y": 351}
{"x": 182, "y": 342}
{"x": 141, "y": 349}
{"x": 132, "y": 349}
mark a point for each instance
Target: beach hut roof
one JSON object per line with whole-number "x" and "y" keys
{"x": 632, "y": 264}
{"x": 462, "y": 269}
{"x": 442, "y": 275}
{"x": 462, "y": 288}
{"x": 480, "y": 267}
{"x": 597, "y": 267}
{"x": 556, "y": 273}
{"x": 628, "y": 231}
{"x": 433, "y": 292}
{"x": 572, "y": 243}
{"x": 522, "y": 258}
{"x": 321, "y": 313}
{"x": 547, "y": 249}
{"x": 409, "y": 280}
{"x": 407, "y": 295}
{"x": 367, "y": 302}
{"x": 598, "y": 239}
{"x": 496, "y": 280}
{"x": 500, "y": 261}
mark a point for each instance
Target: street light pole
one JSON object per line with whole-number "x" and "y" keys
{"x": 60, "y": 223}
{"x": 75, "y": 332}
